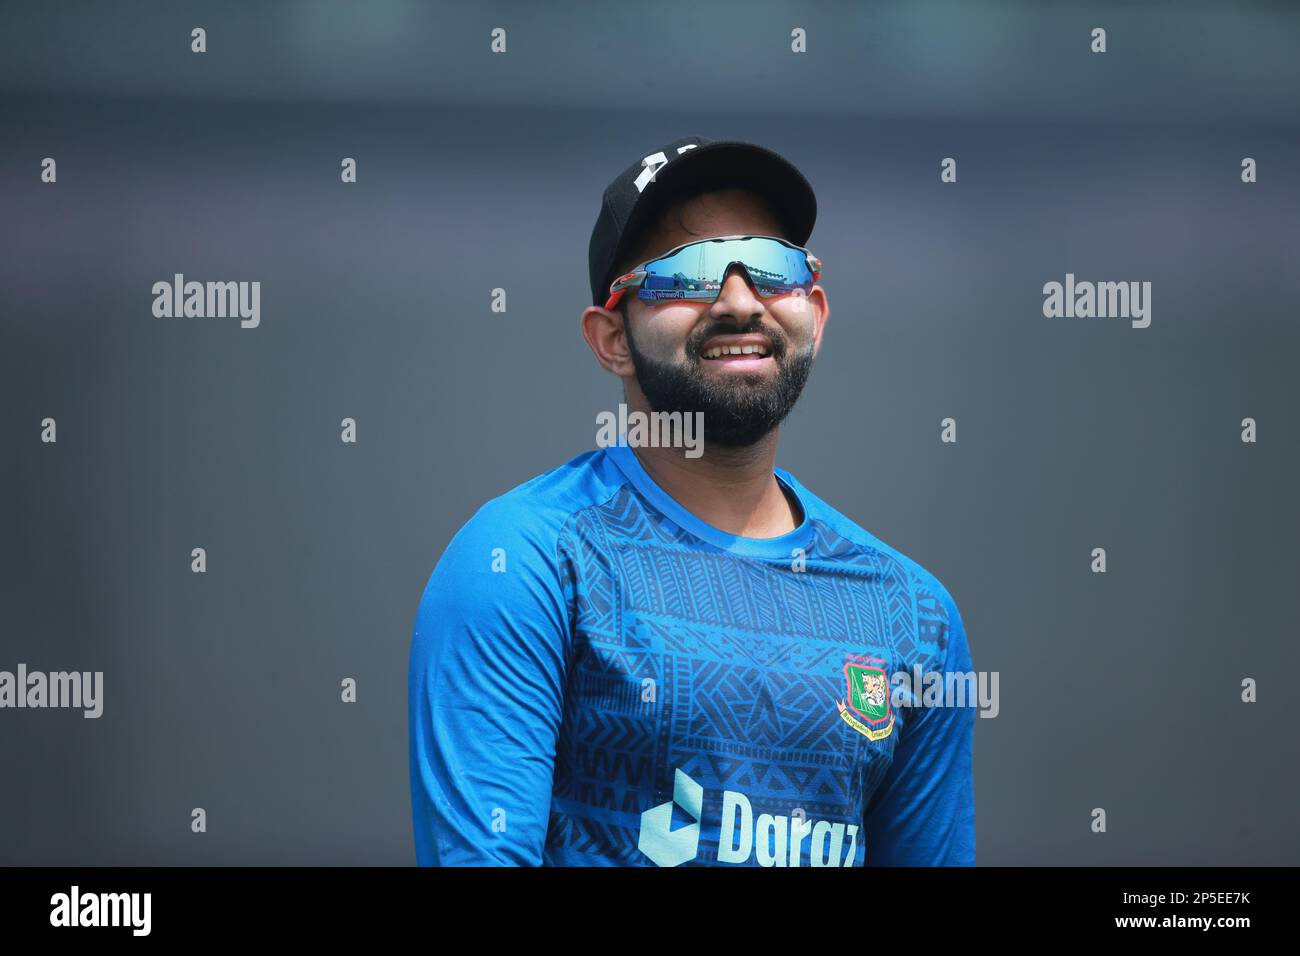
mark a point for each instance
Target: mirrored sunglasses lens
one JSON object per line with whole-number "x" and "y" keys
{"x": 696, "y": 272}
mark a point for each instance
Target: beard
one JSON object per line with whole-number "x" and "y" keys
{"x": 740, "y": 408}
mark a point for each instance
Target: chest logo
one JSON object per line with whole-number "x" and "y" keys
{"x": 866, "y": 707}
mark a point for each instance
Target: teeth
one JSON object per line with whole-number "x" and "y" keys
{"x": 720, "y": 350}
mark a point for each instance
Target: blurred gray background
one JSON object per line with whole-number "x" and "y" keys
{"x": 477, "y": 171}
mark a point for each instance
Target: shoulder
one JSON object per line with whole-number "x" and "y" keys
{"x": 522, "y": 528}
{"x": 936, "y": 609}
{"x": 539, "y": 509}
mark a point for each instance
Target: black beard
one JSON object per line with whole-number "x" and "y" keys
{"x": 737, "y": 413}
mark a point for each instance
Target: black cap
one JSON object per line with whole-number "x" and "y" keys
{"x": 642, "y": 191}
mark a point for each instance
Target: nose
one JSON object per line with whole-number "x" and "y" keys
{"x": 736, "y": 299}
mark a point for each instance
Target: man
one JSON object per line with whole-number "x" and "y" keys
{"x": 649, "y": 658}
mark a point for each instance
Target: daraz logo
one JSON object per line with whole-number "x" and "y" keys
{"x": 775, "y": 840}
{"x": 664, "y": 845}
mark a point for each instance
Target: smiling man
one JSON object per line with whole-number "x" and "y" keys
{"x": 647, "y": 658}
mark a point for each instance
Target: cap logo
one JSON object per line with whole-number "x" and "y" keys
{"x": 653, "y": 163}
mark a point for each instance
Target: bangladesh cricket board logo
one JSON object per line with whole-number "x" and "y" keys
{"x": 868, "y": 710}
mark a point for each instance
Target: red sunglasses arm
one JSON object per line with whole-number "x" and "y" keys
{"x": 621, "y": 285}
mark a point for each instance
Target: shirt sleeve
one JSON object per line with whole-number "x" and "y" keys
{"x": 486, "y": 687}
{"x": 923, "y": 812}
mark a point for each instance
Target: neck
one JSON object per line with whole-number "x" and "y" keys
{"x": 732, "y": 489}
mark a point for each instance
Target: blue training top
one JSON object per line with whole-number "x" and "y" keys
{"x": 598, "y": 677}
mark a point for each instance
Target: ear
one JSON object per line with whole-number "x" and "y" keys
{"x": 821, "y": 313}
{"x": 607, "y": 339}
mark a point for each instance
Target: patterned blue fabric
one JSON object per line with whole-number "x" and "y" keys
{"x": 597, "y": 677}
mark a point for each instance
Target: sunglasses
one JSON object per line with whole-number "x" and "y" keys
{"x": 695, "y": 271}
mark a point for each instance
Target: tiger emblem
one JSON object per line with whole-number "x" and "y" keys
{"x": 873, "y": 688}
{"x": 868, "y": 698}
